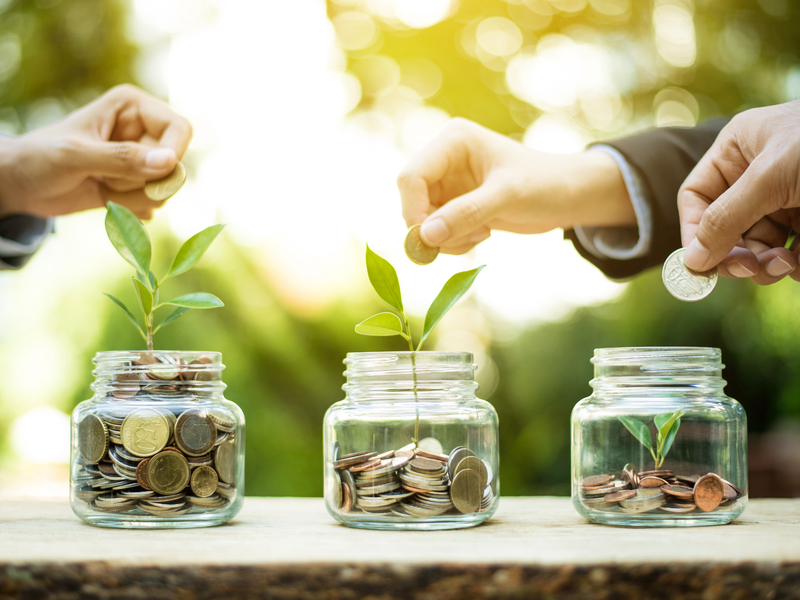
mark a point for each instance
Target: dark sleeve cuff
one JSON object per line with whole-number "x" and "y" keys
{"x": 20, "y": 237}
{"x": 664, "y": 157}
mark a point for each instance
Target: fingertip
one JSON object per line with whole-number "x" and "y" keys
{"x": 161, "y": 159}
{"x": 434, "y": 232}
{"x": 696, "y": 256}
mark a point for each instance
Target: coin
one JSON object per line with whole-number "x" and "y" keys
{"x": 476, "y": 464}
{"x": 225, "y": 461}
{"x": 620, "y": 495}
{"x": 92, "y": 438}
{"x": 347, "y": 498}
{"x": 685, "y": 284}
{"x": 416, "y": 250}
{"x": 204, "y": 481}
{"x": 466, "y": 491}
{"x": 678, "y": 491}
{"x": 430, "y": 445}
{"x": 651, "y": 481}
{"x": 596, "y": 480}
{"x": 168, "y": 473}
{"x": 195, "y": 433}
{"x": 708, "y": 492}
{"x": 166, "y": 187}
{"x": 145, "y": 432}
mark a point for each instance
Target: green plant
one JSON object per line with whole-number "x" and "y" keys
{"x": 667, "y": 425}
{"x": 384, "y": 280}
{"x": 130, "y": 238}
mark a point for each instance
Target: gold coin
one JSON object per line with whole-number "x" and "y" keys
{"x": 416, "y": 250}
{"x": 166, "y": 187}
{"x": 145, "y": 432}
{"x": 92, "y": 438}
{"x": 225, "y": 461}
{"x": 466, "y": 492}
{"x": 475, "y": 464}
{"x": 168, "y": 473}
{"x": 204, "y": 481}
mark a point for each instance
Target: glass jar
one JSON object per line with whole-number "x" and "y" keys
{"x": 411, "y": 447}
{"x": 658, "y": 443}
{"x": 158, "y": 445}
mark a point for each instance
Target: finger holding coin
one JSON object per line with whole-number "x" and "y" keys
{"x": 166, "y": 187}
{"x": 416, "y": 250}
{"x": 685, "y": 284}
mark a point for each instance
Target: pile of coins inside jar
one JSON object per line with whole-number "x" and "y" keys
{"x": 657, "y": 491}
{"x": 412, "y": 482}
{"x": 165, "y": 458}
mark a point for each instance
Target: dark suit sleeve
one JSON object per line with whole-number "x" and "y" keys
{"x": 663, "y": 158}
{"x": 20, "y": 237}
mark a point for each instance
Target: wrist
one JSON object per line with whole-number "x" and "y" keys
{"x": 7, "y": 206}
{"x": 597, "y": 193}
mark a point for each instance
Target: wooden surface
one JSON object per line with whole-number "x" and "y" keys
{"x": 291, "y": 547}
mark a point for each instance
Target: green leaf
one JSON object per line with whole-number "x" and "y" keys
{"x": 128, "y": 313}
{"x": 384, "y": 280}
{"x": 384, "y": 323}
{"x": 455, "y": 287}
{"x": 197, "y": 300}
{"x": 144, "y": 295}
{"x": 193, "y": 249}
{"x": 175, "y": 314}
{"x": 639, "y": 431}
{"x": 150, "y": 281}
{"x": 128, "y": 236}
{"x": 667, "y": 424}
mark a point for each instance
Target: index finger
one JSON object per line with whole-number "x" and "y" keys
{"x": 427, "y": 169}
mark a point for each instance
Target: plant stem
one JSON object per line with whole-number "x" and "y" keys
{"x": 149, "y": 320}
{"x": 414, "y": 439}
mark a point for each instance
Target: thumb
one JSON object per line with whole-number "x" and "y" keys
{"x": 726, "y": 219}
{"x": 124, "y": 160}
{"x": 459, "y": 217}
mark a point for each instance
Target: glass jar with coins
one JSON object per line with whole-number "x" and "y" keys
{"x": 411, "y": 446}
{"x": 659, "y": 443}
{"x": 158, "y": 445}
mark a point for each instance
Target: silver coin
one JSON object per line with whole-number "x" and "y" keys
{"x": 685, "y": 284}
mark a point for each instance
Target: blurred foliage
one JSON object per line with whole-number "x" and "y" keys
{"x": 64, "y": 52}
{"x": 739, "y": 54}
{"x": 284, "y": 369}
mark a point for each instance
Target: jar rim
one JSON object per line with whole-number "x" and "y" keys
{"x": 629, "y": 353}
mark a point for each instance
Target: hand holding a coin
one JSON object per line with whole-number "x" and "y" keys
{"x": 470, "y": 180}
{"x": 106, "y": 150}
{"x": 742, "y": 200}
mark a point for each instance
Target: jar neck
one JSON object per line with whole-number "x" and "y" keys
{"x": 427, "y": 376}
{"x": 628, "y": 370}
{"x": 147, "y": 374}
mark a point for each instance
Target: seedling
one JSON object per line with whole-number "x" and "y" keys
{"x": 384, "y": 280}
{"x": 667, "y": 425}
{"x": 130, "y": 238}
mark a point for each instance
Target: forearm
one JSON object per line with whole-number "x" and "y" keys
{"x": 597, "y": 194}
{"x": 8, "y": 204}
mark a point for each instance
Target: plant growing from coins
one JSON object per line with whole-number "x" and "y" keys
{"x": 667, "y": 425}
{"x": 383, "y": 278}
{"x": 129, "y": 237}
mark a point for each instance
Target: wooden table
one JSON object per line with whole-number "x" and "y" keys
{"x": 290, "y": 548}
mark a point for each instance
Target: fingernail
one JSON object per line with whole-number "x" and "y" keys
{"x": 696, "y": 255}
{"x": 434, "y": 232}
{"x": 159, "y": 159}
{"x": 777, "y": 267}
{"x": 737, "y": 269}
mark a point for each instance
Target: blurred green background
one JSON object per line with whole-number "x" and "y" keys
{"x": 555, "y": 74}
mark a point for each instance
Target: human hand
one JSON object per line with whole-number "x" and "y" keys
{"x": 470, "y": 180}
{"x": 104, "y": 151}
{"x": 740, "y": 202}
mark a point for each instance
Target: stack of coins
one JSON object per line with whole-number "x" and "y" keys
{"x": 411, "y": 482}
{"x": 660, "y": 490}
{"x": 165, "y": 377}
{"x": 160, "y": 459}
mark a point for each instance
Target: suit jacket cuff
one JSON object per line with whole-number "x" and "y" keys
{"x": 20, "y": 237}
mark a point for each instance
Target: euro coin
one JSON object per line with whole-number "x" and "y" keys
{"x": 168, "y": 473}
{"x": 685, "y": 284}
{"x": 145, "y": 432}
{"x": 92, "y": 438}
{"x": 416, "y": 250}
{"x": 166, "y": 187}
{"x": 195, "y": 433}
{"x": 225, "y": 461}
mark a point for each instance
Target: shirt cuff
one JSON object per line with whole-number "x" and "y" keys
{"x": 20, "y": 237}
{"x": 622, "y": 243}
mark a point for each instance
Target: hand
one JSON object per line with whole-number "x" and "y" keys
{"x": 104, "y": 151}
{"x": 740, "y": 202}
{"x": 470, "y": 180}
